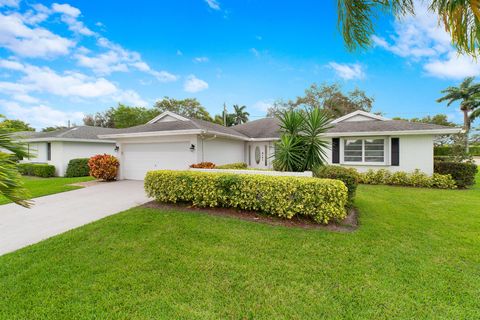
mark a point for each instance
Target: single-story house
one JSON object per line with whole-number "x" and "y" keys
{"x": 60, "y": 146}
{"x": 360, "y": 140}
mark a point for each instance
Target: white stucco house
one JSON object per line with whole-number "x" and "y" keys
{"x": 59, "y": 147}
{"x": 360, "y": 140}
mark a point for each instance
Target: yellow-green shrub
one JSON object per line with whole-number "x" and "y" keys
{"x": 320, "y": 199}
{"x": 413, "y": 179}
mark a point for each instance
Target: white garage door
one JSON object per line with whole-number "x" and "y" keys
{"x": 138, "y": 158}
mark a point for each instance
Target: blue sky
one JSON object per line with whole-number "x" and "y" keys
{"x": 61, "y": 60}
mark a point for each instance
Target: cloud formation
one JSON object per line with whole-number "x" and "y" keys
{"x": 348, "y": 71}
{"x": 193, "y": 84}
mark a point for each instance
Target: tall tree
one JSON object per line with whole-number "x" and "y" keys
{"x": 125, "y": 116}
{"x": 100, "y": 119}
{"x": 190, "y": 108}
{"x": 54, "y": 128}
{"x": 329, "y": 98}
{"x": 240, "y": 114}
{"x": 468, "y": 94}
{"x": 461, "y": 19}
{"x": 11, "y": 185}
{"x": 8, "y": 125}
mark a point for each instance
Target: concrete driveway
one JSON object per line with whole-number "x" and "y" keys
{"x": 55, "y": 214}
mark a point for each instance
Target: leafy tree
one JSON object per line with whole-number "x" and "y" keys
{"x": 100, "y": 119}
{"x": 438, "y": 119}
{"x": 11, "y": 185}
{"x": 461, "y": 19}
{"x": 240, "y": 114}
{"x": 8, "y": 125}
{"x": 468, "y": 94}
{"x": 327, "y": 97}
{"x": 300, "y": 146}
{"x": 190, "y": 108}
{"x": 125, "y": 116}
{"x": 55, "y": 128}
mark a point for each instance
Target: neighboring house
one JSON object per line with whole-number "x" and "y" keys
{"x": 60, "y": 146}
{"x": 361, "y": 140}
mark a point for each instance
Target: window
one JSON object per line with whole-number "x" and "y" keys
{"x": 257, "y": 154}
{"x": 364, "y": 150}
{"x": 49, "y": 151}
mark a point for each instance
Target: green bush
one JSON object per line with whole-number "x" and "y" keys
{"x": 36, "y": 170}
{"x": 448, "y": 151}
{"x": 320, "y": 199}
{"x": 462, "y": 172}
{"x": 238, "y": 165}
{"x": 78, "y": 168}
{"x": 414, "y": 179}
{"x": 474, "y": 151}
{"x": 348, "y": 176}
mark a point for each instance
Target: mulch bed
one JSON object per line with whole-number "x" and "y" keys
{"x": 349, "y": 224}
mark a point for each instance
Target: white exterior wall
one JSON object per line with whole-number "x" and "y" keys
{"x": 62, "y": 152}
{"x": 153, "y": 160}
{"x": 220, "y": 150}
{"x": 416, "y": 152}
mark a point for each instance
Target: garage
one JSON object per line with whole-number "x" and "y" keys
{"x": 139, "y": 158}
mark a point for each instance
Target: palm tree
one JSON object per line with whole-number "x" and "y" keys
{"x": 241, "y": 116}
{"x": 11, "y": 185}
{"x": 301, "y": 146}
{"x": 460, "y": 17}
{"x": 468, "y": 93}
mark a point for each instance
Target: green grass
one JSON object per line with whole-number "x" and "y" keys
{"x": 38, "y": 187}
{"x": 416, "y": 255}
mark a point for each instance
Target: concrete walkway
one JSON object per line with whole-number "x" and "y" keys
{"x": 55, "y": 214}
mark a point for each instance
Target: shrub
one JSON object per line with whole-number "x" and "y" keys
{"x": 348, "y": 176}
{"x": 203, "y": 165}
{"x": 103, "y": 166}
{"x": 36, "y": 170}
{"x": 414, "y": 179}
{"x": 238, "y": 165}
{"x": 286, "y": 197}
{"x": 78, "y": 168}
{"x": 448, "y": 151}
{"x": 474, "y": 150}
{"x": 462, "y": 172}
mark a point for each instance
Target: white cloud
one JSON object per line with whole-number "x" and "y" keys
{"x": 263, "y": 105}
{"x": 130, "y": 97}
{"x": 453, "y": 67}
{"x": 9, "y": 3}
{"x": 118, "y": 59}
{"x": 200, "y": 59}
{"x": 255, "y": 52}
{"x": 25, "y": 98}
{"x": 213, "y": 4}
{"x": 41, "y": 116}
{"x": 193, "y": 84}
{"x": 31, "y": 42}
{"x": 348, "y": 71}
{"x": 44, "y": 79}
{"x": 66, "y": 9}
{"x": 422, "y": 39}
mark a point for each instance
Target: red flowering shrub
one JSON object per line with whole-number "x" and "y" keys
{"x": 203, "y": 165}
{"x": 103, "y": 166}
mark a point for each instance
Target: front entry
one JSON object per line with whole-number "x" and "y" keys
{"x": 258, "y": 155}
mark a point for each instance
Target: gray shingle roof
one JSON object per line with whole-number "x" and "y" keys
{"x": 262, "y": 128}
{"x": 81, "y": 133}
{"x": 386, "y": 125}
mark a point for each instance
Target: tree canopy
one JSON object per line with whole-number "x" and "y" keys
{"x": 328, "y": 97}
{"x": 8, "y": 125}
{"x": 461, "y": 19}
{"x": 190, "y": 108}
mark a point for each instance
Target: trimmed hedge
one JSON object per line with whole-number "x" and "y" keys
{"x": 414, "y": 179}
{"x": 238, "y": 165}
{"x": 348, "y": 176}
{"x": 447, "y": 151}
{"x": 36, "y": 170}
{"x": 320, "y": 199}
{"x": 462, "y": 172}
{"x": 78, "y": 168}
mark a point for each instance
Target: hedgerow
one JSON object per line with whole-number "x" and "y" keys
{"x": 462, "y": 172}
{"x": 237, "y": 165}
{"x": 414, "y": 179}
{"x": 349, "y": 176}
{"x": 78, "y": 168}
{"x": 323, "y": 200}
{"x": 36, "y": 170}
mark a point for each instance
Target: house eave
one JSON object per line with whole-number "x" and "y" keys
{"x": 394, "y": 133}
{"x": 65, "y": 140}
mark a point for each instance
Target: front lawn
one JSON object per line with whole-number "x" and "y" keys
{"x": 38, "y": 187}
{"x": 416, "y": 255}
